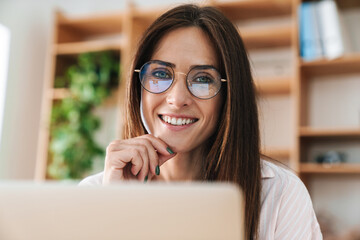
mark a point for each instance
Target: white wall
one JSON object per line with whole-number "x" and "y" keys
{"x": 29, "y": 25}
{"x": 4, "y": 60}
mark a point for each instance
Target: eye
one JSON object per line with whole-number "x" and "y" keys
{"x": 161, "y": 74}
{"x": 203, "y": 79}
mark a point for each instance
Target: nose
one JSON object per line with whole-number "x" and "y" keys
{"x": 178, "y": 95}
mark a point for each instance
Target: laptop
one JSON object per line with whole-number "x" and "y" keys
{"x": 125, "y": 211}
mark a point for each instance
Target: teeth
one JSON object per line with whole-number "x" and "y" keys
{"x": 177, "y": 121}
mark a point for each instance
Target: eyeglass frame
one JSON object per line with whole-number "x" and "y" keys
{"x": 173, "y": 78}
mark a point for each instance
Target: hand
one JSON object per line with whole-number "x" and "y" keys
{"x": 135, "y": 158}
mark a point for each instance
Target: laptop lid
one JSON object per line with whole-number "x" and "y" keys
{"x": 125, "y": 211}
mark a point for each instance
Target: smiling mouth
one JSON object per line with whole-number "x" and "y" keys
{"x": 177, "y": 121}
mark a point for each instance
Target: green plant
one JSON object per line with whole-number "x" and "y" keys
{"x": 72, "y": 145}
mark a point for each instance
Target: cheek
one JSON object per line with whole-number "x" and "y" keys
{"x": 213, "y": 112}
{"x": 149, "y": 103}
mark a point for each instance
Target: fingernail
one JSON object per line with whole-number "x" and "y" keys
{"x": 146, "y": 178}
{"x": 169, "y": 150}
{"x": 157, "y": 170}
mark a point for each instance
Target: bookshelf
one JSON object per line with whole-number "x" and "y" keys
{"x": 317, "y": 132}
{"x": 308, "y": 135}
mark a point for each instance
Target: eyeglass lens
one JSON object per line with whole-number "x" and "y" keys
{"x": 202, "y": 81}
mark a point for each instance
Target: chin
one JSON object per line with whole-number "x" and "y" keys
{"x": 177, "y": 145}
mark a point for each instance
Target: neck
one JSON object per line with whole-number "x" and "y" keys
{"x": 182, "y": 167}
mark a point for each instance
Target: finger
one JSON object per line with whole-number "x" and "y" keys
{"x": 163, "y": 150}
{"x": 161, "y": 147}
{"x": 152, "y": 155}
{"x": 112, "y": 175}
{"x": 144, "y": 171}
{"x": 116, "y": 162}
{"x": 163, "y": 158}
{"x": 115, "y": 145}
{"x": 150, "y": 177}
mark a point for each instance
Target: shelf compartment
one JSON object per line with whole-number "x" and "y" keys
{"x": 323, "y": 132}
{"x": 345, "y": 64}
{"x": 72, "y": 29}
{"x": 266, "y": 37}
{"x": 341, "y": 168}
{"x": 248, "y": 9}
{"x": 275, "y": 85}
{"x": 88, "y": 46}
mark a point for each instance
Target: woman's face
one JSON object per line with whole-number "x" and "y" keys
{"x": 163, "y": 112}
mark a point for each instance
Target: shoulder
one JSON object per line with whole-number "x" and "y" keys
{"x": 93, "y": 180}
{"x": 286, "y": 205}
{"x": 276, "y": 177}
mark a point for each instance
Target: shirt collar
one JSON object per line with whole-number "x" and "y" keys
{"x": 266, "y": 170}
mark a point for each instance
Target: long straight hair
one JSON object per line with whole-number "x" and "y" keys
{"x": 234, "y": 154}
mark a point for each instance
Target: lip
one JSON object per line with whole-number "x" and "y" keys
{"x": 175, "y": 127}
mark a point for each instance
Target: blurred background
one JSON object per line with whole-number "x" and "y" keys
{"x": 64, "y": 65}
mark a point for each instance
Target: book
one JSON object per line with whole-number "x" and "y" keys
{"x": 330, "y": 31}
{"x": 310, "y": 39}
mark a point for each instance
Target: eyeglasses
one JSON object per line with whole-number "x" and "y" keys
{"x": 203, "y": 81}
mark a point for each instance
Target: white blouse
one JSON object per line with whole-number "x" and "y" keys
{"x": 286, "y": 208}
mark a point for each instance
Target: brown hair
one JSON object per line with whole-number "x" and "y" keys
{"x": 234, "y": 154}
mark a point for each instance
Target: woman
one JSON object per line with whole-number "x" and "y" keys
{"x": 191, "y": 115}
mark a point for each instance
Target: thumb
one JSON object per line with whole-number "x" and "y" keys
{"x": 165, "y": 158}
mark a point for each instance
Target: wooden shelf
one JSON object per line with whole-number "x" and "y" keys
{"x": 267, "y": 37}
{"x": 276, "y": 85}
{"x": 323, "y": 132}
{"x": 58, "y": 93}
{"x": 345, "y": 64}
{"x": 88, "y": 46}
{"x": 248, "y": 9}
{"x": 341, "y": 168}
{"x": 61, "y": 93}
{"x": 281, "y": 153}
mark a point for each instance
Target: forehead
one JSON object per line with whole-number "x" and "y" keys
{"x": 185, "y": 47}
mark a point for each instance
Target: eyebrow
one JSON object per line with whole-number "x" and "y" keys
{"x": 192, "y": 66}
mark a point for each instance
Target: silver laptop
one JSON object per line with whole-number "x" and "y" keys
{"x": 126, "y": 211}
